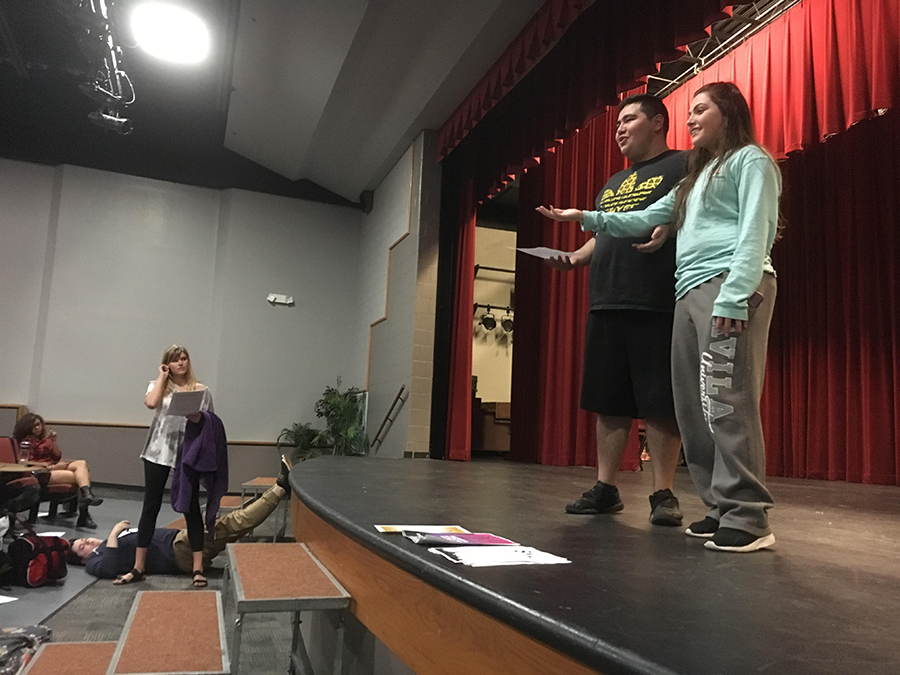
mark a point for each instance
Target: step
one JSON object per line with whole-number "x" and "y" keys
{"x": 283, "y": 578}
{"x": 173, "y": 632}
{"x": 261, "y": 584}
{"x": 72, "y": 658}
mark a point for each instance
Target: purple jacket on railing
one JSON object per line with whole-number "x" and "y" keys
{"x": 202, "y": 459}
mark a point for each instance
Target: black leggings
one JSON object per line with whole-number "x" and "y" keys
{"x": 155, "y": 477}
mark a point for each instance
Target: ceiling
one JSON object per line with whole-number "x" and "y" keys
{"x": 315, "y": 98}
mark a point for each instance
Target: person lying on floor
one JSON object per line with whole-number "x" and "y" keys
{"x": 170, "y": 550}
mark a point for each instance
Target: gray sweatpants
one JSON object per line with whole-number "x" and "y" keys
{"x": 717, "y": 383}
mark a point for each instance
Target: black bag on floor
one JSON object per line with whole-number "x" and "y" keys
{"x": 36, "y": 560}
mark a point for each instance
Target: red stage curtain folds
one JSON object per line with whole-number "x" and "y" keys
{"x": 831, "y": 404}
{"x": 501, "y": 129}
{"x": 819, "y": 68}
{"x": 606, "y": 48}
{"x": 829, "y": 407}
{"x": 544, "y": 29}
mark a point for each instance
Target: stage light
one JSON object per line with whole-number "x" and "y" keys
{"x": 488, "y": 320}
{"x": 120, "y": 125}
{"x": 97, "y": 93}
{"x": 506, "y": 323}
{"x": 170, "y": 33}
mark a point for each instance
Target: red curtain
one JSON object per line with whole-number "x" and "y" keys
{"x": 605, "y": 49}
{"x": 531, "y": 45}
{"x": 501, "y": 129}
{"x": 459, "y": 404}
{"x": 828, "y": 409}
{"x": 811, "y": 73}
{"x": 823, "y": 66}
{"x": 831, "y": 405}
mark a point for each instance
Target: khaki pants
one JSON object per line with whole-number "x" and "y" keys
{"x": 229, "y": 529}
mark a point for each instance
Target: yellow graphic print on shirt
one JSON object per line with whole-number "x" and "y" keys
{"x": 628, "y": 197}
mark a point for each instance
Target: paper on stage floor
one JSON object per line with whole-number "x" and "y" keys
{"x": 185, "y": 402}
{"x": 492, "y": 556}
{"x": 543, "y": 252}
{"x": 428, "y": 529}
{"x": 6, "y": 598}
{"x": 457, "y": 539}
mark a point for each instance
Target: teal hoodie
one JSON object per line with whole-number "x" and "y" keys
{"x": 729, "y": 226}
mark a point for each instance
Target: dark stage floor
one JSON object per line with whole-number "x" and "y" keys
{"x": 639, "y": 598}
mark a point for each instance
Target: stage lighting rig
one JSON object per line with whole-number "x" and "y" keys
{"x": 110, "y": 86}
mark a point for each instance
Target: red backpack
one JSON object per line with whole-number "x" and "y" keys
{"x": 37, "y": 560}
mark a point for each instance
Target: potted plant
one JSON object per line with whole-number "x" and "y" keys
{"x": 345, "y": 427}
{"x": 303, "y": 438}
{"x": 345, "y": 421}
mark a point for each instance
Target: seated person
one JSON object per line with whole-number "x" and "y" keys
{"x": 46, "y": 453}
{"x": 170, "y": 550}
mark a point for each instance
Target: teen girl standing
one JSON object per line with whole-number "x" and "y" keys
{"x": 160, "y": 451}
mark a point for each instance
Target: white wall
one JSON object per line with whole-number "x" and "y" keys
{"x": 387, "y": 299}
{"x": 26, "y": 203}
{"x": 492, "y": 350}
{"x": 381, "y": 229}
{"x": 132, "y": 273}
{"x": 275, "y": 362}
{"x": 102, "y": 271}
{"x": 398, "y": 291}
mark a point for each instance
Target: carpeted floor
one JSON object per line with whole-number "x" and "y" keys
{"x": 99, "y": 613}
{"x": 98, "y": 610}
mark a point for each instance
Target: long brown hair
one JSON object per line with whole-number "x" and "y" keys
{"x": 737, "y": 132}
{"x": 24, "y": 426}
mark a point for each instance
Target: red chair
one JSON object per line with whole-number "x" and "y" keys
{"x": 54, "y": 494}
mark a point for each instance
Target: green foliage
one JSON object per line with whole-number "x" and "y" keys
{"x": 344, "y": 422}
{"x": 303, "y": 438}
{"x": 344, "y": 432}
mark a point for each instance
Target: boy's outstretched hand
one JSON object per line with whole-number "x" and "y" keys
{"x": 561, "y": 215}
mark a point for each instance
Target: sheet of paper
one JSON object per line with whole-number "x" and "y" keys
{"x": 185, "y": 402}
{"x": 457, "y": 539}
{"x": 60, "y": 533}
{"x": 542, "y": 252}
{"x": 492, "y": 556}
{"x": 6, "y": 598}
{"x": 428, "y": 529}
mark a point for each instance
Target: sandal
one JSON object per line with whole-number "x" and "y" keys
{"x": 199, "y": 579}
{"x": 135, "y": 577}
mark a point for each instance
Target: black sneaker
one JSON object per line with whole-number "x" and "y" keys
{"x": 738, "y": 541}
{"x": 705, "y": 528}
{"x": 664, "y": 509}
{"x": 601, "y": 498}
{"x": 282, "y": 480}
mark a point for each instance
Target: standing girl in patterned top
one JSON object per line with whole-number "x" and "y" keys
{"x": 160, "y": 451}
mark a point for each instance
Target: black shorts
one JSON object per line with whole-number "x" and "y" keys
{"x": 628, "y": 364}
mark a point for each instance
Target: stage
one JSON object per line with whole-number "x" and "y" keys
{"x": 635, "y": 599}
